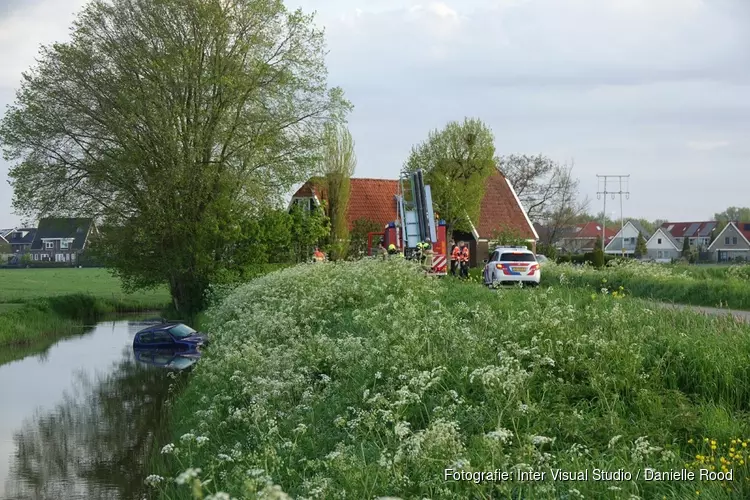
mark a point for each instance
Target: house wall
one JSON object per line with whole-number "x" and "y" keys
{"x": 661, "y": 249}
{"x": 730, "y": 245}
{"x": 630, "y": 235}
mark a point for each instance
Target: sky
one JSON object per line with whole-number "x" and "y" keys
{"x": 657, "y": 89}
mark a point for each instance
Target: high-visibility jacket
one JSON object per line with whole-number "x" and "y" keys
{"x": 465, "y": 254}
{"x": 456, "y": 253}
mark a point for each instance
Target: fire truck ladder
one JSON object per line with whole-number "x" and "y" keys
{"x": 415, "y": 211}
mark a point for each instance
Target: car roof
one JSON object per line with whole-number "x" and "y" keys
{"x": 515, "y": 249}
{"x": 160, "y": 326}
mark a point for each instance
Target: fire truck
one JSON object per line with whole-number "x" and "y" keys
{"x": 416, "y": 222}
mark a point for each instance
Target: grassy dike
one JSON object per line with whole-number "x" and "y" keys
{"x": 360, "y": 380}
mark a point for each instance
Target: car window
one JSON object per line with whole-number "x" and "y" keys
{"x": 146, "y": 338}
{"x": 495, "y": 256}
{"x": 517, "y": 257}
{"x": 181, "y": 331}
{"x": 161, "y": 337}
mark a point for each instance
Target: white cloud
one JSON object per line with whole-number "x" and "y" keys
{"x": 707, "y": 145}
{"x": 26, "y": 29}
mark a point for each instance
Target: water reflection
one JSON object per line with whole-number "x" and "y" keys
{"x": 94, "y": 443}
{"x": 166, "y": 358}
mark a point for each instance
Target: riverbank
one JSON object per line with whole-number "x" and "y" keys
{"x": 370, "y": 380}
{"x": 39, "y": 305}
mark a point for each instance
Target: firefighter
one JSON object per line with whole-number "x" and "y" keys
{"x": 392, "y": 250}
{"x": 418, "y": 253}
{"x": 455, "y": 257}
{"x": 464, "y": 260}
{"x": 382, "y": 252}
{"x": 319, "y": 256}
{"x": 427, "y": 257}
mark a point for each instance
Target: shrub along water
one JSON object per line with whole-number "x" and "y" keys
{"x": 660, "y": 282}
{"x": 358, "y": 380}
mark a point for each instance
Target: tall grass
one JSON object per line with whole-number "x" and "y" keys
{"x": 659, "y": 282}
{"x": 358, "y": 380}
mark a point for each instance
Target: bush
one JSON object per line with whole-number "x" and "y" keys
{"x": 342, "y": 381}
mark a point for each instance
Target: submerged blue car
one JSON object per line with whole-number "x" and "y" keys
{"x": 171, "y": 336}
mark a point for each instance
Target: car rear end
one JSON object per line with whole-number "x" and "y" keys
{"x": 513, "y": 265}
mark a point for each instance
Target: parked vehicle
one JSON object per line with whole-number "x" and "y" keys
{"x": 174, "y": 336}
{"x": 511, "y": 265}
{"x": 165, "y": 358}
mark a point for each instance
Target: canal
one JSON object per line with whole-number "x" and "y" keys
{"x": 79, "y": 421}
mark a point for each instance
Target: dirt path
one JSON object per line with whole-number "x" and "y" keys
{"x": 742, "y": 315}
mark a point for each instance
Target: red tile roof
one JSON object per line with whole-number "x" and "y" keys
{"x": 372, "y": 199}
{"x": 375, "y": 199}
{"x": 677, "y": 229}
{"x": 592, "y": 229}
{"x": 744, "y": 228}
{"x": 500, "y": 211}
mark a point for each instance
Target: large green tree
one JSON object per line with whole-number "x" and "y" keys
{"x": 457, "y": 161}
{"x": 172, "y": 121}
{"x": 339, "y": 162}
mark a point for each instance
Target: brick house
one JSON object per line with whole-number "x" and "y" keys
{"x": 375, "y": 199}
{"x": 581, "y": 238}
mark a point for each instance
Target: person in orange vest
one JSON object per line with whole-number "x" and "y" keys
{"x": 318, "y": 255}
{"x": 464, "y": 260}
{"x": 455, "y": 257}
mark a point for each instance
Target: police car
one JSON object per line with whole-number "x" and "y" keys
{"x": 510, "y": 265}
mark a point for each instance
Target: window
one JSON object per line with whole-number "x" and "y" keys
{"x": 734, "y": 240}
{"x": 517, "y": 257}
{"x": 181, "y": 331}
{"x": 162, "y": 337}
{"x": 726, "y": 240}
{"x": 64, "y": 244}
{"x": 146, "y": 338}
{"x": 658, "y": 240}
{"x": 659, "y": 253}
{"x": 49, "y": 244}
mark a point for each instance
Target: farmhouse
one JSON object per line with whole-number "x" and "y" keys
{"x": 662, "y": 246}
{"x": 20, "y": 239}
{"x": 61, "y": 239}
{"x": 732, "y": 243}
{"x": 626, "y": 238}
{"x": 375, "y": 200}
{"x": 582, "y": 237}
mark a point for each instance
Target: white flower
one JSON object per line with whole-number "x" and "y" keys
{"x": 218, "y": 496}
{"x": 402, "y": 429}
{"x": 187, "y": 438}
{"x": 153, "y": 480}
{"x": 613, "y": 441}
{"x": 541, "y": 440}
{"x": 187, "y": 476}
{"x": 503, "y": 435}
{"x": 169, "y": 448}
{"x": 224, "y": 457}
{"x": 201, "y": 440}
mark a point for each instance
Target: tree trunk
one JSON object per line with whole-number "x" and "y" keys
{"x": 188, "y": 295}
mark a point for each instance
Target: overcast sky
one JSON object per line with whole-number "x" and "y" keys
{"x": 658, "y": 89}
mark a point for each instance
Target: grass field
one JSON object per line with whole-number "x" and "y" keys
{"x": 39, "y": 305}
{"x": 365, "y": 379}
{"x": 22, "y": 285}
{"x": 727, "y": 287}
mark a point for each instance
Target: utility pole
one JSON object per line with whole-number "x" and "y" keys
{"x": 603, "y": 193}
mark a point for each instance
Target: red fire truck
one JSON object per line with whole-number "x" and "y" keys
{"x": 416, "y": 222}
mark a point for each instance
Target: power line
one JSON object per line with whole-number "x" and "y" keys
{"x": 603, "y": 193}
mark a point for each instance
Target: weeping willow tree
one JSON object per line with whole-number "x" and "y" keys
{"x": 339, "y": 162}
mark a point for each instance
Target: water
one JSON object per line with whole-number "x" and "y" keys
{"x": 80, "y": 420}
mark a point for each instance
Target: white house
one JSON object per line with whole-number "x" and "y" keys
{"x": 732, "y": 243}
{"x": 626, "y": 238}
{"x": 662, "y": 247}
